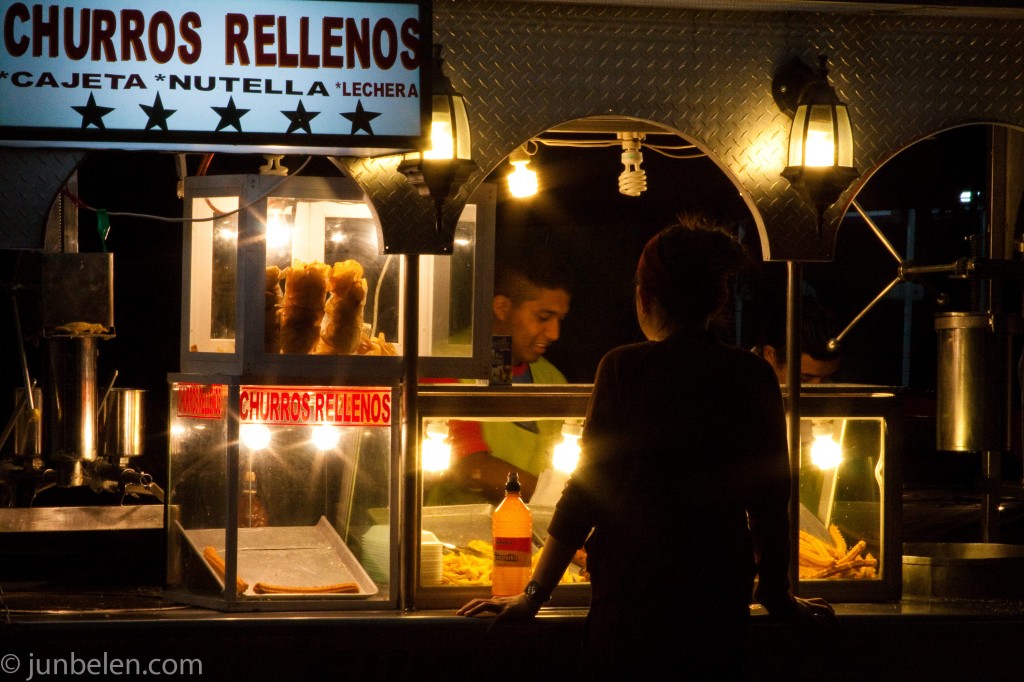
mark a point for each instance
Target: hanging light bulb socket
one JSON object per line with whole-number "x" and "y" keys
{"x": 439, "y": 172}
{"x": 522, "y": 182}
{"x": 820, "y": 153}
{"x": 633, "y": 179}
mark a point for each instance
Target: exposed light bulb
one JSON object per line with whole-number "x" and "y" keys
{"x": 254, "y": 436}
{"x": 442, "y": 145}
{"x": 567, "y": 453}
{"x": 633, "y": 180}
{"x": 522, "y": 182}
{"x": 826, "y": 453}
{"x": 436, "y": 452}
{"x": 820, "y": 149}
{"x": 326, "y": 437}
{"x": 278, "y": 232}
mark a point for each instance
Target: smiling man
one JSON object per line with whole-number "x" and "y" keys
{"x": 531, "y": 298}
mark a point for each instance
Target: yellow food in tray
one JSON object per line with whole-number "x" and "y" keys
{"x": 823, "y": 560}
{"x": 466, "y": 569}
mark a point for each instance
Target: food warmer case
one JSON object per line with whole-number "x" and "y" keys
{"x": 850, "y": 493}
{"x": 849, "y": 490}
{"x": 285, "y": 420}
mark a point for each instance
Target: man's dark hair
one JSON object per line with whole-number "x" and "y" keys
{"x": 518, "y": 273}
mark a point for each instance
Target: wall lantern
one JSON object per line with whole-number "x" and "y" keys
{"x": 820, "y": 160}
{"x": 438, "y": 172}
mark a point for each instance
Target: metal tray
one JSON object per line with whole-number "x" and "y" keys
{"x": 302, "y": 556}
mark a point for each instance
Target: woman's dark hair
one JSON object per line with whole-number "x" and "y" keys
{"x": 686, "y": 268}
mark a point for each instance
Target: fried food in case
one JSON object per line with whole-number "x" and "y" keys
{"x": 305, "y": 296}
{"x": 273, "y": 300}
{"x": 342, "y": 321}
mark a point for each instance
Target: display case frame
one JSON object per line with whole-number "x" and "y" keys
{"x": 192, "y": 578}
{"x": 571, "y": 401}
{"x": 855, "y": 401}
{"x": 520, "y": 402}
{"x": 247, "y": 355}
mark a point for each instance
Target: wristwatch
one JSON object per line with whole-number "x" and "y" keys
{"x": 535, "y": 593}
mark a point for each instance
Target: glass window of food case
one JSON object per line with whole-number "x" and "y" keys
{"x": 289, "y": 275}
{"x": 543, "y": 423}
{"x": 271, "y": 490}
{"x": 850, "y": 493}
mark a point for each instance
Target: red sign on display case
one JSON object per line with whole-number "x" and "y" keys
{"x": 287, "y": 405}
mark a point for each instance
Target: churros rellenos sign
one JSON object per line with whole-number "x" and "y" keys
{"x": 318, "y": 74}
{"x": 288, "y": 405}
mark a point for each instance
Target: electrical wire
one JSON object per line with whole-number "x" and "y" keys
{"x": 205, "y": 165}
{"x": 663, "y": 149}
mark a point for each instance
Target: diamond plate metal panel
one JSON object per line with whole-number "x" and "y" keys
{"x": 29, "y": 182}
{"x": 407, "y": 220}
{"x": 706, "y": 74}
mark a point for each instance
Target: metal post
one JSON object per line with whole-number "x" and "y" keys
{"x": 409, "y": 548}
{"x": 794, "y": 290}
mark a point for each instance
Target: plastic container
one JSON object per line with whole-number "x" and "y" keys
{"x": 512, "y": 526}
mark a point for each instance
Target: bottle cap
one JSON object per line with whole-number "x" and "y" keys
{"x": 512, "y": 484}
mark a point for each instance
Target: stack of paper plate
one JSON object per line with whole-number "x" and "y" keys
{"x": 375, "y": 555}
{"x": 431, "y": 562}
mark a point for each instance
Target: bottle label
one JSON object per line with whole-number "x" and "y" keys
{"x": 513, "y": 552}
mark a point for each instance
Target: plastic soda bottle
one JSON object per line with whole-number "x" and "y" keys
{"x": 512, "y": 526}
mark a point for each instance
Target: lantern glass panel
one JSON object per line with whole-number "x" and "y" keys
{"x": 820, "y": 137}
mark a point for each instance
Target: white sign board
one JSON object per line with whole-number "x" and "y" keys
{"x": 321, "y": 75}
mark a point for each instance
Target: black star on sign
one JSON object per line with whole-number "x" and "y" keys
{"x": 157, "y": 114}
{"x": 300, "y": 118}
{"x": 92, "y": 114}
{"x": 230, "y": 116}
{"x": 361, "y": 118}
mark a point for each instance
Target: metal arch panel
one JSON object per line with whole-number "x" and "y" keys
{"x": 525, "y": 67}
{"x": 29, "y": 182}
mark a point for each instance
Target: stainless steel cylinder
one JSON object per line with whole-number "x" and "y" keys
{"x": 121, "y": 425}
{"x": 972, "y": 386}
{"x": 80, "y": 392}
{"x": 70, "y": 403}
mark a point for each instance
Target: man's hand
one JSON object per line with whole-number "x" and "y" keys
{"x": 510, "y": 609}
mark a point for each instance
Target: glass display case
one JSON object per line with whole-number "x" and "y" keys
{"x": 272, "y": 487}
{"x": 850, "y": 493}
{"x": 288, "y": 275}
{"x": 849, "y": 487}
{"x": 455, "y": 519}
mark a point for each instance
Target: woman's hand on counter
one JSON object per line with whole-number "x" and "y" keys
{"x": 511, "y": 609}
